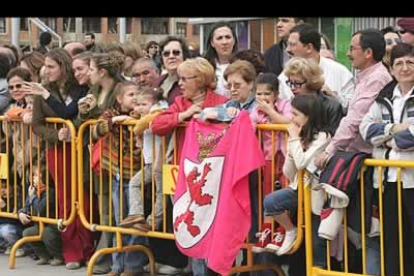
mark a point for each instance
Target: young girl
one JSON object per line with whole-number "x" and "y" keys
{"x": 128, "y": 263}
{"x": 308, "y": 136}
{"x": 150, "y": 102}
{"x": 270, "y": 109}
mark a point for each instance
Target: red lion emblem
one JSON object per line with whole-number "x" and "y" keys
{"x": 195, "y": 189}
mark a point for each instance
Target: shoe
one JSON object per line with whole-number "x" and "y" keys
{"x": 277, "y": 242}
{"x": 264, "y": 240}
{"x": 129, "y": 221}
{"x": 56, "y": 262}
{"x": 8, "y": 250}
{"x": 42, "y": 261}
{"x": 73, "y": 265}
{"x": 99, "y": 269}
{"x": 20, "y": 252}
{"x": 34, "y": 257}
{"x": 290, "y": 238}
{"x": 144, "y": 227}
{"x": 169, "y": 270}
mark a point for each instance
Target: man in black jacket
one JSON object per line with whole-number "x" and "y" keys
{"x": 276, "y": 56}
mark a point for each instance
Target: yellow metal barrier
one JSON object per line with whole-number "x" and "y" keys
{"x": 380, "y": 165}
{"x": 22, "y": 137}
{"x": 85, "y": 130}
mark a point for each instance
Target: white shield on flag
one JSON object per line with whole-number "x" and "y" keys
{"x": 195, "y": 210}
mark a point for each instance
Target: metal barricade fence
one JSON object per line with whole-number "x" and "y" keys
{"x": 88, "y": 152}
{"x": 30, "y": 155}
{"x": 379, "y": 268}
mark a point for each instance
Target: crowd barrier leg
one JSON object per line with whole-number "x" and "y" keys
{"x": 37, "y": 238}
{"x": 120, "y": 249}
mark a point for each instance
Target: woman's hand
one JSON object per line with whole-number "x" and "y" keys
{"x": 232, "y": 111}
{"x": 193, "y": 110}
{"x": 27, "y": 118}
{"x": 34, "y": 88}
{"x": 24, "y": 218}
{"x": 64, "y": 134}
{"x": 87, "y": 103}
{"x": 294, "y": 130}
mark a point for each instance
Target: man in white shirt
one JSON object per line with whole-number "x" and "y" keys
{"x": 305, "y": 41}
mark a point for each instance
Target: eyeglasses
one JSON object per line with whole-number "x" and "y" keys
{"x": 185, "y": 79}
{"x": 390, "y": 41}
{"x": 399, "y": 64}
{"x": 235, "y": 86}
{"x": 293, "y": 84}
{"x": 405, "y": 31}
{"x": 17, "y": 86}
{"x": 175, "y": 53}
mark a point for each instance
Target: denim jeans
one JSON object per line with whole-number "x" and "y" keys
{"x": 199, "y": 267}
{"x": 128, "y": 261}
{"x": 11, "y": 233}
{"x": 373, "y": 256}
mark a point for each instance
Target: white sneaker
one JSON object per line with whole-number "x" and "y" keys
{"x": 290, "y": 238}
{"x": 169, "y": 270}
{"x": 20, "y": 252}
{"x": 8, "y": 250}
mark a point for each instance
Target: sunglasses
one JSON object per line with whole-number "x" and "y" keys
{"x": 17, "y": 86}
{"x": 390, "y": 41}
{"x": 175, "y": 53}
{"x": 405, "y": 31}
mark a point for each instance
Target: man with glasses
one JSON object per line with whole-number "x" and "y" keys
{"x": 276, "y": 56}
{"x": 305, "y": 41}
{"x": 407, "y": 29}
{"x": 145, "y": 72}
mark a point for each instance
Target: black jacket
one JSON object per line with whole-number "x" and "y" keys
{"x": 333, "y": 112}
{"x": 274, "y": 58}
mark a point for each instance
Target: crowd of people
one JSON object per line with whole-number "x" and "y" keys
{"x": 297, "y": 81}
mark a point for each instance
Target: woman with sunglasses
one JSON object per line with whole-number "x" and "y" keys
{"x": 174, "y": 51}
{"x": 221, "y": 45}
{"x": 406, "y": 31}
{"x": 306, "y": 77}
{"x": 392, "y": 38}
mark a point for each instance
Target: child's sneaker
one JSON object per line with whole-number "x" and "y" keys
{"x": 264, "y": 239}
{"x": 288, "y": 243}
{"x": 277, "y": 242}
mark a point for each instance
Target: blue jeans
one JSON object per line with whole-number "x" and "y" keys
{"x": 128, "y": 261}
{"x": 373, "y": 256}
{"x": 11, "y": 233}
{"x": 199, "y": 267}
{"x": 287, "y": 200}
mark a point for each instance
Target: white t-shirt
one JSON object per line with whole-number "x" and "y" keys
{"x": 221, "y": 82}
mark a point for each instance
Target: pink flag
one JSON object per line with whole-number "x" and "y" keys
{"x": 211, "y": 213}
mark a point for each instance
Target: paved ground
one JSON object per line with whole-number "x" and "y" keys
{"x": 25, "y": 266}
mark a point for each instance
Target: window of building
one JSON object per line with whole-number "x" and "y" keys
{"x": 154, "y": 25}
{"x": 24, "y": 24}
{"x": 181, "y": 28}
{"x": 196, "y": 29}
{"x": 113, "y": 25}
{"x": 91, "y": 25}
{"x": 69, "y": 24}
{"x": 50, "y": 22}
{"x": 3, "y": 25}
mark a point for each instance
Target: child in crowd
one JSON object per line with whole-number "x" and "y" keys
{"x": 10, "y": 229}
{"x": 270, "y": 109}
{"x": 129, "y": 263}
{"x": 308, "y": 136}
{"x": 150, "y": 102}
{"x": 40, "y": 201}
